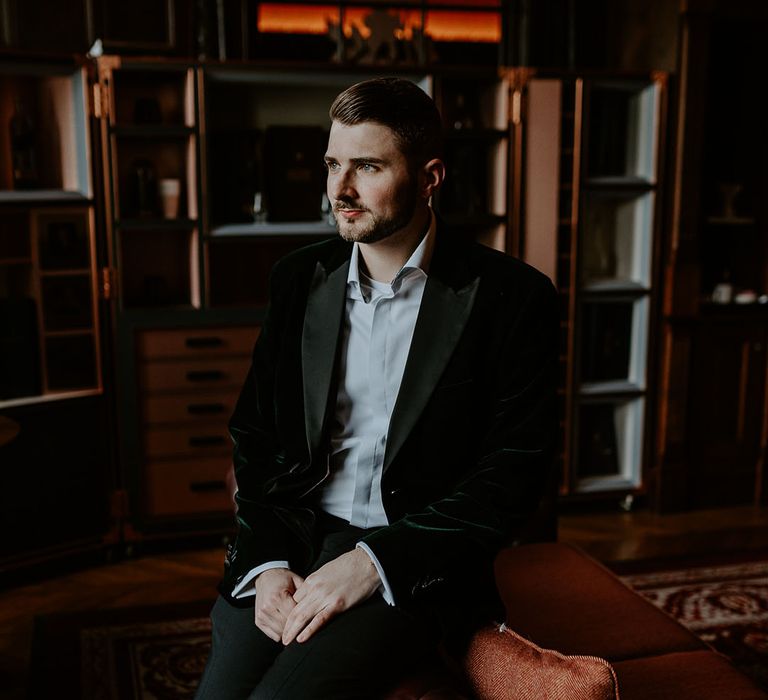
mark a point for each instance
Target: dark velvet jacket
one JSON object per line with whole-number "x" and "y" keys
{"x": 472, "y": 435}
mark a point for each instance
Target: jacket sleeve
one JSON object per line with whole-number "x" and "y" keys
{"x": 449, "y": 539}
{"x": 271, "y": 525}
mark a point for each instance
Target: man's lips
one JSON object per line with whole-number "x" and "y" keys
{"x": 350, "y": 213}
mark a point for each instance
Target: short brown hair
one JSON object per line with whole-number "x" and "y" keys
{"x": 399, "y": 105}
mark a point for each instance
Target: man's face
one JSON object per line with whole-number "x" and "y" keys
{"x": 370, "y": 186}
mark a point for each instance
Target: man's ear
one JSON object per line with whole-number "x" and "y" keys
{"x": 432, "y": 176}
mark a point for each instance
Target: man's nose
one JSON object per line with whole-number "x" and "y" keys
{"x": 342, "y": 186}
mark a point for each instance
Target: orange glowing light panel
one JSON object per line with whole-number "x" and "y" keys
{"x": 296, "y": 19}
{"x": 440, "y": 25}
{"x": 464, "y": 26}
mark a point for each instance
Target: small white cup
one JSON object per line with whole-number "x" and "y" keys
{"x": 722, "y": 293}
{"x": 170, "y": 194}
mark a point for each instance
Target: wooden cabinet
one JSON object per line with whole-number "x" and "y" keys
{"x": 728, "y": 373}
{"x": 55, "y": 405}
{"x": 189, "y": 380}
{"x": 179, "y": 363}
{"x": 590, "y": 149}
{"x": 49, "y": 313}
{"x": 711, "y": 448}
{"x": 150, "y": 140}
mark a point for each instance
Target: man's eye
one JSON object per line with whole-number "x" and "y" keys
{"x": 331, "y": 166}
{"x": 367, "y": 167}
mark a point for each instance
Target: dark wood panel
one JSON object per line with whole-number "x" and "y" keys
{"x": 726, "y": 412}
{"x": 56, "y": 477}
{"x": 46, "y": 26}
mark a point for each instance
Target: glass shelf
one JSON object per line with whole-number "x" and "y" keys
{"x": 731, "y": 220}
{"x": 606, "y": 286}
{"x": 46, "y": 398}
{"x": 152, "y": 132}
{"x": 34, "y": 196}
{"x": 266, "y": 230}
{"x": 609, "y": 388}
{"x": 155, "y": 224}
{"x": 618, "y": 182}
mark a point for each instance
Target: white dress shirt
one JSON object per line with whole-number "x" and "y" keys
{"x": 379, "y": 321}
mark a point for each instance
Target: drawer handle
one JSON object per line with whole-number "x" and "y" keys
{"x": 212, "y": 375}
{"x": 199, "y": 409}
{"x": 204, "y": 342}
{"x": 206, "y": 440}
{"x": 207, "y": 486}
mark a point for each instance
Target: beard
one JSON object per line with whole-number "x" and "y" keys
{"x": 376, "y": 227}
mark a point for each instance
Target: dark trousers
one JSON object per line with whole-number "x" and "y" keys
{"x": 357, "y": 655}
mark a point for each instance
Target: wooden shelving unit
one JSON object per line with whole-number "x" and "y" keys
{"x": 590, "y": 218}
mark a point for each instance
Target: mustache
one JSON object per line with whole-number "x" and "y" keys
{"x": 342, "y": 204}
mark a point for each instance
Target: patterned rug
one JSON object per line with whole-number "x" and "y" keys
{"x": 153, "y": 653}
{"x": 726, "y": 606}
{"x": 158, "y": 653}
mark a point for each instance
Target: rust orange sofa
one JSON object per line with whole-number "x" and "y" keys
{"x": 559, "y": 598}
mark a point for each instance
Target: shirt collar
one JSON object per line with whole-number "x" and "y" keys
{"x": 419, "y": 260}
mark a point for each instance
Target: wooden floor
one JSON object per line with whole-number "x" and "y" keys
{"x": 622, "y": 537}
{"x": 192, "y": 575}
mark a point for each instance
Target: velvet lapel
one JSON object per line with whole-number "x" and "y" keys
{"x": 319, "y": 342}
{"x": 445, "y": 308}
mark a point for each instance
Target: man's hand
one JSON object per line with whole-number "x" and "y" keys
{"x": 274, "y": 600}
{"x": 332, "y": 589}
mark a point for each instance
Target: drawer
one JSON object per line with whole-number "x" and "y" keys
{"x": 199, "y": 440}
{"x": 205, "y": 407}
{"x": 182, "y": 487}
{"x": 193, "y": 374}
{"x": 196, "y": 342}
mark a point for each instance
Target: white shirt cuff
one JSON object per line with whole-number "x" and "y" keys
{"x": 384, "y": 589}
{"x": 239, "y": 592}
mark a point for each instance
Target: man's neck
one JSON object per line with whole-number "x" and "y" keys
{"x": 384, "y": 259}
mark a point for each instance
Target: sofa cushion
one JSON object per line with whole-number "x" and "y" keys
{"x": 502, "y": 665}
{"x": 696, "y": 675}
{"x": 561, "y": 599}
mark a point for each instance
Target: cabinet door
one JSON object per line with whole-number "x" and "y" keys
{"x": 726, "y": 412}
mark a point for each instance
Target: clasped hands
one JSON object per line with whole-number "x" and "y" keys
{"x": 288, "y": 607}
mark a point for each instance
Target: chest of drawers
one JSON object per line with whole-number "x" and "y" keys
{"x": 188, "y": 384}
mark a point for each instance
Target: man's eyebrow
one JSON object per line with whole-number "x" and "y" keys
{"x": 359, "y": 161}
{"x": 375, "y": 161}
